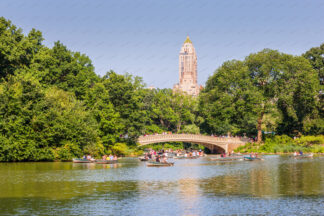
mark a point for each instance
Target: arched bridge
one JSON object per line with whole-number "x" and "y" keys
{"x": 215, "y": 144}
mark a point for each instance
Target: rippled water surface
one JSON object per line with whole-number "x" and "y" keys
{"x": 276, "y": 186}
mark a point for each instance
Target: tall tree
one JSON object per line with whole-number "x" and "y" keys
{"x": 109, "y": 121}
{"x": 70, "y": 71}
{"x": 127, "y": 96}
{"x": 264, "y": 83}
{"x": 316, "y": 57}
{"x": 171, "y": 111}
{"x": 228, "y": 101}
{"x": 16, "y": 50}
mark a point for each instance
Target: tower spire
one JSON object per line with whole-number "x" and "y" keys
{"x": 187, "y": 70}
{"x": 188, "y": 40}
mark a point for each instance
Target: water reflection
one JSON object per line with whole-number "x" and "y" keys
{"x": 271, "y": 178}
{"x": 301, "y": 177}
{"x": 191, "y": 187}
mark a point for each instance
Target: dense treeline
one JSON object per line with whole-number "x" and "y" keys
{"x": 54, "y": 106}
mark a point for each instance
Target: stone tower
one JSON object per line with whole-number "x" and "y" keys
{"x": 187, "y": 70}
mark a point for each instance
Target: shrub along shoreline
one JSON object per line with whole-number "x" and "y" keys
{"x": 285, "y": 144}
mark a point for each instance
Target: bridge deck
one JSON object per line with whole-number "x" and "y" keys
{"x": 223, "y": 142}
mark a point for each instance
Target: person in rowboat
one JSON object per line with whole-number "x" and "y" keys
{"x": 164, "y": 160}
{"x": 157, "y": 159}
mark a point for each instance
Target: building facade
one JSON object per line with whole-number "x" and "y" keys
{"x": 187, "y": 70}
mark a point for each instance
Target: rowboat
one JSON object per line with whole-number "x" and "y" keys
{"x": 189, "y": 157}
{"x": 236, "y": 155}
{"x": 235, "y": 158}
{"x": 303, "y": 156}
{"x": 248, "y": 158}
{"x": 106, "y": 161}
{"x": 143, "y": 159}
{"x": 79, "y": 160}
{"x": 158, "y": 164}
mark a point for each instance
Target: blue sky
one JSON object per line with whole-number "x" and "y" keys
{"x": 143, "y": 37}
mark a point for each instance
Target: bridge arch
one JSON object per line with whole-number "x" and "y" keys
{"x": 214, "y": 144}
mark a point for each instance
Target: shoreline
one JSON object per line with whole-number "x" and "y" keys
{"x": 260, "y": 153}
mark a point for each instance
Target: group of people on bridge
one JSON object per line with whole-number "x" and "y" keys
{"x": 251, "y": 139}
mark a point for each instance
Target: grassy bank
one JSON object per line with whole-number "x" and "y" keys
{"x": 286, "y": 144}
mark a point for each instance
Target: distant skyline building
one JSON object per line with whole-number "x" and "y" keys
{"x": 187, "y": 70}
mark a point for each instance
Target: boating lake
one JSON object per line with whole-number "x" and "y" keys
{"x": 279, "y": 185}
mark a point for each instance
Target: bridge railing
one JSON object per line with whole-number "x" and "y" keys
{"x": 192, "y": 137}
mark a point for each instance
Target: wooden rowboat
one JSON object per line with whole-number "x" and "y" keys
{"x": 303, "y": 156}
{"x": 158, "y": 164}
{"x": 236, "y": 158}
{"x": 252, "y": 158}
{"x": 189, "y": 157}
{"x": 143, "y": 159}
{"x": 193, "y": 157}
{"x": 79, "y": 160}
{"x": 106, "y": 161}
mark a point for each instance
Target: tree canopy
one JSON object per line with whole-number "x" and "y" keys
{"x": 267, "y": 86}
{"x": 53, "y": 106}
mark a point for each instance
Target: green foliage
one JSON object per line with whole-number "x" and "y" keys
{"x": 126, "y": 95}
{"x": 171, "y": 111}
{"x": 67, "y": 151}
{"x": 267, "y": 91}
{"x": 283, "y": 140}
{"x": 191, "y": 129}
{"x": 108, "y": 119}
{"x": 96, "y": 149}
{"x": 121, "y": 149}
{"x": 317, "y": 149}
{"x": 310, "y": 140}
{"x": 286, "y": 144}
{"x": 152, "y": 129}
{"x": 247, "y": 148}
{"x": 65, "y": 69}
{"x": 316, "y": 57}
{"x": 16, "y": 50}
{"x": 34, "y": 121}
{"x": 315, "y": 124}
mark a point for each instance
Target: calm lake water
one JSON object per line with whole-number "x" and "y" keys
{"x": 278, "y": 185}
